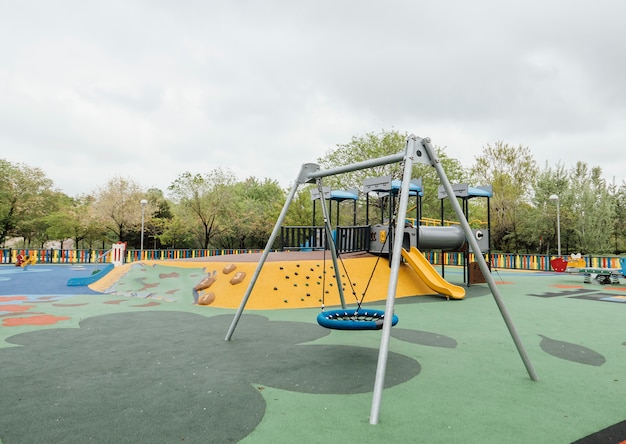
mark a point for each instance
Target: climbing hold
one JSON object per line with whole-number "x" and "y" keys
{"x": 238, "y": 278}
{"x": 229, "y": 268}
{"x": 206, "y": 298}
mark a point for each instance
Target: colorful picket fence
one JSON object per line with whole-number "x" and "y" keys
{"x": 54, "y": 256}
{"x": 536, "y": 262}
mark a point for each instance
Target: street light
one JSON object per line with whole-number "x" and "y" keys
{"x": 143, "y": 211}
{"x": 558, "y": 222}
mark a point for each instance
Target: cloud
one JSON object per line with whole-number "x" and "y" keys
{"x": 150, "y": 90}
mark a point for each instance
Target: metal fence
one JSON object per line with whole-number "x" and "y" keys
{"x": 307, "y": 238}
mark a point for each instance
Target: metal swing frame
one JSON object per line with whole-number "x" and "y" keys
{"x": 417, "y": 150}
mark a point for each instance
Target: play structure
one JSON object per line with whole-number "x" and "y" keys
{"x": 576, "y": 264}
{"x": 376, "y": 239}
{"x": 400, "y": 242}
{"x": 372, "y": 236}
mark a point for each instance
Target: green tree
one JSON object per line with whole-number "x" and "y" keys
{"x": 587, "y": 209}
{"x": 591, "y": 210}
{"x": 300, "y": 211}
{"x": 550, "y": 181}
{"x": 75, "y": 220}
{"x": 24, "y": 196}
{"x": 619, "y": 227}
{"x": 252, "y": 214}
{"x": 176, "y": 233}
{"x": 204, "y": 198}
{"x": 161, "y": 216}
{"x": 385, "y": 143}
{"x": 512, "y": 172}
{"x": 117, "y": 206}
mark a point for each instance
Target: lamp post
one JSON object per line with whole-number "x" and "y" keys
{"x": 558, "y": 222}
{"x": 143, "y": 211}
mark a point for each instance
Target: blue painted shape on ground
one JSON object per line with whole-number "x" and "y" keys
{"x": 614, "y": 299}
{"x": 43, "y": 279}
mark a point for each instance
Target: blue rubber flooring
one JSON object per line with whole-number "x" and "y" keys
{"x": 43, "y": 279}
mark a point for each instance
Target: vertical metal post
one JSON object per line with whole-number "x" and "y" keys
{"x": 479, "y": 258}
{"x": 302, "y": 176}
{"x": 331, "y": 242}
{"x": 558, "y": 226}
{"x": 383, "y": 352}
{"x": 558, "y": 222}
{"x": 143, "y": 210}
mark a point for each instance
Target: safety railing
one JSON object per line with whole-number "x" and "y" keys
{"x": 307, "y": 238}
{"x": 303, "y": 238}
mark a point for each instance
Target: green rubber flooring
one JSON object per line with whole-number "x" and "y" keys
{"x": 78, "y": 367}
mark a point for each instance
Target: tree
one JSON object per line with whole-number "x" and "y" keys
{"x": 161, "y": 216}
{"x": 74, "y": 220}
{"x": 204, "y": 198}
{"x": 512, "y": 172}
{"x": 252, "y": 214}
{"x": 300, "y": 211}
{"x": 376, "y": 145}
{"x": 550, "y": 181}
{"x": 117, "y": 206}
{"x": 592, "y": 210}
{"x": 619, "y": 227}
{"x": 24, "y": 193}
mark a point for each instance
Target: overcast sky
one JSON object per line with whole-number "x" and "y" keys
{"x": 150, "y": 89}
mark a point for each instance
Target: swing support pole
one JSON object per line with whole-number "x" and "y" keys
{"x": 415, "y": 149}
{"x": 383, "y": 352}
{"x": 330, "y": 241}
{"x": 484, "y": 268}
{"x": 302, "y": 177}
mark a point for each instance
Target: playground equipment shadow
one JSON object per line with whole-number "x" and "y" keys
{"x": 79, "y": 366}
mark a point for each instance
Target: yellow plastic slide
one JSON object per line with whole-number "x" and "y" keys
{"x": 429, "y": 275}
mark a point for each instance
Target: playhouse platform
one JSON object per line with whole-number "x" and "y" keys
{"x": 140, "y": 365}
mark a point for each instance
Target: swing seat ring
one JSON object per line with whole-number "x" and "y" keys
{"x": 360, "y": 319}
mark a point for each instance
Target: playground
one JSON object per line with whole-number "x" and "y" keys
{"x": 161, "y": 371}
{"x": 358, "y": 338}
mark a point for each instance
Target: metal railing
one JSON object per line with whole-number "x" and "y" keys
{"x": 303, "y": 238}
{"x": 308, "y": 238}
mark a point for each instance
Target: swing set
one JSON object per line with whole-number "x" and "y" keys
{"x": 416, "y": 150}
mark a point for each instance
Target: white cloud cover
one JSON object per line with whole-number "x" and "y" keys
{"x": 148, "y": 90}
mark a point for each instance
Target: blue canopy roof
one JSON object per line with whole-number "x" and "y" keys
{"x": 479, "y": 192}
{"x": 340, "y": 195}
